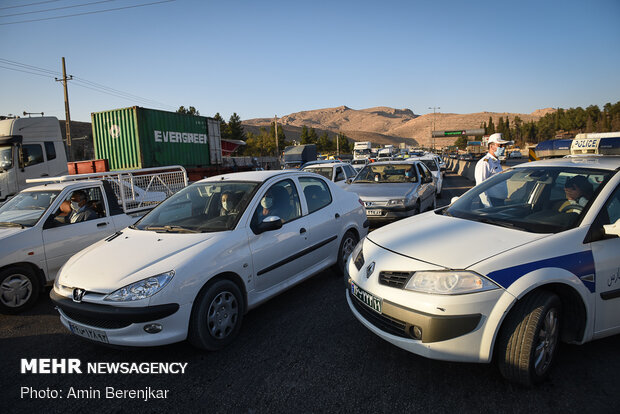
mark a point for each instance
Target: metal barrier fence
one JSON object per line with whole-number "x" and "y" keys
{"x": 136, "y": 190}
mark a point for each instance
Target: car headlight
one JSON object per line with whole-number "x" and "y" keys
{"x": 357, "y": 254}
{"x": 141, "y": 289}
{"x": 396, "y": 202}
{"x": 449, "y": 282}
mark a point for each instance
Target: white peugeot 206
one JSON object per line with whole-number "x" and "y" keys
{"x": 527, "y": 259}
{"x": 195, "y": 264}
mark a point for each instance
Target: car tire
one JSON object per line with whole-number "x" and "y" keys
{"x": 19, "y": 289}
{"x": 348, "y": 243}
{"x": 216, "y": 316}
{"x": 529, "y": 338}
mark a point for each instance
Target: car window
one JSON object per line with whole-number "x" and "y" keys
{"x": 50, "y": 151}
{"x": 198, "y": 208}
{"x": 351, "y": 170}
{"x": 387, "y": 173}
{"x": 339, "y": 174}
{"x": 610, "y": 213}
{"x": 81, "y": 205}
{"x": 281, "y": 200}
{"x": 26, "y": 208}
{"x": 534, "y": 199}
{"x": 423, "y": 171}
{"x": 316, "y": 192}
{"x": 324, "y": 171}
{"x": 32, "y": 154}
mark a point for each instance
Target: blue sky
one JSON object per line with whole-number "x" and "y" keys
{"x": 262, "y": 58}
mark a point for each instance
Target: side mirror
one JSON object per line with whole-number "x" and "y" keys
{"x": 453, "y": 200}
{"x": 427, "y": 180}
{"x": 269, "y": 224}
{"x": 612, "y": 229}
{"x": 349, "y": 180}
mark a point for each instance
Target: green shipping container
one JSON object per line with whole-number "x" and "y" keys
{"x": 136, "y": 137}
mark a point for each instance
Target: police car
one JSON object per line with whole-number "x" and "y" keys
{"x": 506, "y": 277}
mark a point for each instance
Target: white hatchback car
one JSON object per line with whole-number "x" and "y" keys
{"x": 196, "y": 263}
{"x": 525, "y": 259}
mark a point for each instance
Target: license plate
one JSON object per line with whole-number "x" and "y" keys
{"x": 93, "y": 334}
{"x": 366, "y": 298}
{"x": 373, "y": 212}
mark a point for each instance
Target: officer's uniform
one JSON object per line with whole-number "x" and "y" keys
{"x": 487, "y": 167}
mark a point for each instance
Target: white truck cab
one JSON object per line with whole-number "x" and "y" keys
{"x": 29, "y": 148}
{"x": 40, "y": 229}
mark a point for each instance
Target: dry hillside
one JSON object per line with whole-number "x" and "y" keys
{"x": 383, "y": 125}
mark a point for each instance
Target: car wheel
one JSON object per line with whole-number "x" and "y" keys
{"x": 348, "y": 243}
{"x": 216, "y": 317}
{"x": 19, "y": 289}
{"x": 529, "y": 338}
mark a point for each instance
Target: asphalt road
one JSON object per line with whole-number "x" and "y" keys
{"x": 303, "y": 351}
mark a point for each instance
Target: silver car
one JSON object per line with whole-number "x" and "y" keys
{"x": 394, "y": 189}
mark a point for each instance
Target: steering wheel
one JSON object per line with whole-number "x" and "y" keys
{"x": 572, "y": 208}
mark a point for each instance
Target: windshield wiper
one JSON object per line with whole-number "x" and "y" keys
{"x": 497, "y": 223}
{"x": 170, "y": 229}
{"x": 11, "y": 224}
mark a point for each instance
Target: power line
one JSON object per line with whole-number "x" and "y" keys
{"x": 81, "y": 82}
{"x": 85, "y": 13}
{"x": 58, "y": 8}
{"x": 29, "y": 4}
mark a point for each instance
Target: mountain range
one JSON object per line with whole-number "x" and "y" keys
{"x": 383, "y": 125}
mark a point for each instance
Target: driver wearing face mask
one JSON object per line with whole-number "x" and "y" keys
{"x": 227, "y": 204}
{"x": 80, "y": 209}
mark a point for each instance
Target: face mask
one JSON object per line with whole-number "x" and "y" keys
{"x": 408, "y": 174}
{"x": 75, "y": 206}
{"x": 500, "y": 151}
{"x": 226, "y": 205}
{"x": 266, "y": 202}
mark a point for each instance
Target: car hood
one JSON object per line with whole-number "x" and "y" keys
{"x": 450, "y": 242}
{"x": 381, "y": 190}
{"x": 131, "y": 256}
{"x": 6, "y": 232}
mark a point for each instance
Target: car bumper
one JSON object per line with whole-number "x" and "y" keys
{"x": 465, "y": 336}
{"x": 390, "y": 214}
{"x": 125, "y": 326}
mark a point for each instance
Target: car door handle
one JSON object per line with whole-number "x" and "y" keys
{"x": 44, "y": 175}
{"x": 337, "y": 216}
{"x": 302, "y": 230}
{"x": 102, "y": 224}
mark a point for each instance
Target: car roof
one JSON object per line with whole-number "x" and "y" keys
{"x": 258, "y": 176}
{"x": 399, "y": 162}
{"x": 325, "y": 164}
{"x": 605, "y": 162}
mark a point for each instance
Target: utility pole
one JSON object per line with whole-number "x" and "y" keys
{"x": 275, "y": 118}
{"x": 434, "y": 108}
{"x": 67, "y": 114}
{"x": 338, "y": 144}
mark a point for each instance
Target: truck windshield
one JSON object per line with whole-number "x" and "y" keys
{"x": 6, "y": 157}
{"x": 533, "y": 199}
{"x": 201, "y": 207}
{"x": 26, "y": 208}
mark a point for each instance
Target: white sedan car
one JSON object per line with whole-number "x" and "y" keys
{"x": 195, "y": 264}
{"x": 526, "y": 259}
{"x": 338, "y": 172}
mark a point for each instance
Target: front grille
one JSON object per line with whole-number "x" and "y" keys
{"x": 385, "y": 323}
{"x": 394, "y": 279}
{"x": 96, "y": 322}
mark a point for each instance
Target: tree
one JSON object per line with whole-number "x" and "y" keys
{"x": 461, "y": 142}
{"x": 344, "y": 144}
{"x": 281, "y": 136}
{"x": 324, "y": 144}
{"x": 312, "y": 136}
{"x": 303, "y": 138}
{"x": 491, "y": 126}
{"x": 189, "y": 111}
{"x": 224, "y": 130}
{"x": 235, "y": 128}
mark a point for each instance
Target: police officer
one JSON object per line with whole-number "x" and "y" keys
{"x": 489, "y": 165}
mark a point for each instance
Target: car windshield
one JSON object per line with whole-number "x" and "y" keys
{"x": 324, "y": 171}
{"x": 533, "y": 199}
{"x": 26, "y": 208}
{"x": 201, "y": 207}
{"x": 6, "y": 158}
{"x": 387, "y": 173}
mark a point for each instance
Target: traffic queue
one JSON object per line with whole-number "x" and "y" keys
{"x": 524, "y": 260}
